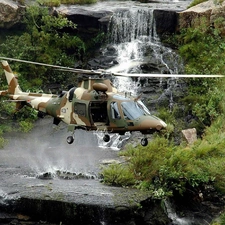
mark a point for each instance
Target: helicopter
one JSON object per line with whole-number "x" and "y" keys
{"x": 95, "y": 105}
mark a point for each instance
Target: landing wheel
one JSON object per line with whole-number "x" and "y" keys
{"x": 144, "y": 141}
{"x": 70, "y": 139}
{"x": 106, "y": 138}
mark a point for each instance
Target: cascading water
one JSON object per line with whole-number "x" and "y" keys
{"x": 138, "y": 49}
{"x": 132, "y": 33}
{"x": 176, "y": 220}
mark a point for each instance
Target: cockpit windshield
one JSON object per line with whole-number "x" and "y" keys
{"x": 143, "y": 107}
{"x": 133, "y": 110}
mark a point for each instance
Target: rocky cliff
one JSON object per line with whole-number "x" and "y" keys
{"x": 10, "y": 13}
{"x": 167, "y": 21}
{"x": 210, "y": 10}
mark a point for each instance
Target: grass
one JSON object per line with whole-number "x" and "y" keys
{"x": 169, "y": 168}
{"x": 55, "y": 3}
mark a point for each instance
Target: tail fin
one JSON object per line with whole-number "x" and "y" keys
{"x": 13, "y": 86}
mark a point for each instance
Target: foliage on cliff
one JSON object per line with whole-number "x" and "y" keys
{"x": 41, "y": 39}
{"x": 52, "y": 3}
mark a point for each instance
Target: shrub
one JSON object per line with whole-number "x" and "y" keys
{"x": 119, "y": 175}
{"x": 196, "y": 2}
{"x": 26, "y": 126}
{"x": 163, "y": 166}
{"x": 3, "y": 141}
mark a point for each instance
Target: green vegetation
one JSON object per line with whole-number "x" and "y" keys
{"x": 37, "y": 42}
{"x": 220, "y": 220}
{"x": 202, "y": 49}
{"x": 43, "y": 38}
{"x": 55, "y": 3}
{"x": 165, "y": 168}
{"x": 196, "y": 2}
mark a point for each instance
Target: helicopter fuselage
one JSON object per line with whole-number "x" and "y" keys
{"x": 95, "y": 110}
{"x": 94, "y": 105}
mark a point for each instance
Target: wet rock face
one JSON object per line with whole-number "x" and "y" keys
{"x": 150, "y": 213}
{"x": 10, "y": 13}
{"x": 200, "y": 205}
{"x": 88, "y": 21}
{"x": 166, "y": 21}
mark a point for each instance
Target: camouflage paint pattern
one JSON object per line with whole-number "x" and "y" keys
{"x": 89, "y": 106}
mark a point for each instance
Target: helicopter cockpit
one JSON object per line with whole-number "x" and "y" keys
{"x": 133, "y": 110}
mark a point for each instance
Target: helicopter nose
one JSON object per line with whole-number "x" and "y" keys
{"x": 163, "y": 124}
{"x": 153, "y": 123}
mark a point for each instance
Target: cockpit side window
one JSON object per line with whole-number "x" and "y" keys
{"x": 115, "y": 111}
{"x": 131, "y": 110}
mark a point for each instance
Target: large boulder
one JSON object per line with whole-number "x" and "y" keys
{"x": 88, "y": 21}
{"x": 10, "y": 13}
{"x": 207, "y": 12}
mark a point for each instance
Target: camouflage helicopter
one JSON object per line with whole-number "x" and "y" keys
{"x": 94, "y": 105}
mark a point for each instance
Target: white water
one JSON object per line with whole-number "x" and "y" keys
{"x": 116, "y": 140}
{"x": 133, "y": 35}
{"x": 176, "y": 220}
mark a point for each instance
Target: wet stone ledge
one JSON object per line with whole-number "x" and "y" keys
{"x": 19, "y": 219}
{"x": 27, "y": 211}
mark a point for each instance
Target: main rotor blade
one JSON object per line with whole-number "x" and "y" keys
{"x": 167, "y": 75}
{"x": 91, "y": 72}
{"x": 63, "y": 68}
{"x": 102, "y": 72}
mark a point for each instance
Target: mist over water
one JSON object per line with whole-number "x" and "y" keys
{"x": 45, "y": 150}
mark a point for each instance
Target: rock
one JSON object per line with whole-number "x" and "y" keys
{"x": 190, "y": 135}
{"x": 166, "y": 21}
{"x": 210, "y": 10}
{"x": 10, "y": 13}
{"x": 87, "y": 20}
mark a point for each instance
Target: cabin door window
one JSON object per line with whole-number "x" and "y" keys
{"x": 80, "y": 109}
{"x": 98, "y": 111}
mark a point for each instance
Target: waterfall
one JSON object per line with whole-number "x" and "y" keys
{"x": 130, "y": 25}
{"x": 176, "y": 220}
{"x": 135, "y": 47}
{"x": 132, "y": 33}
